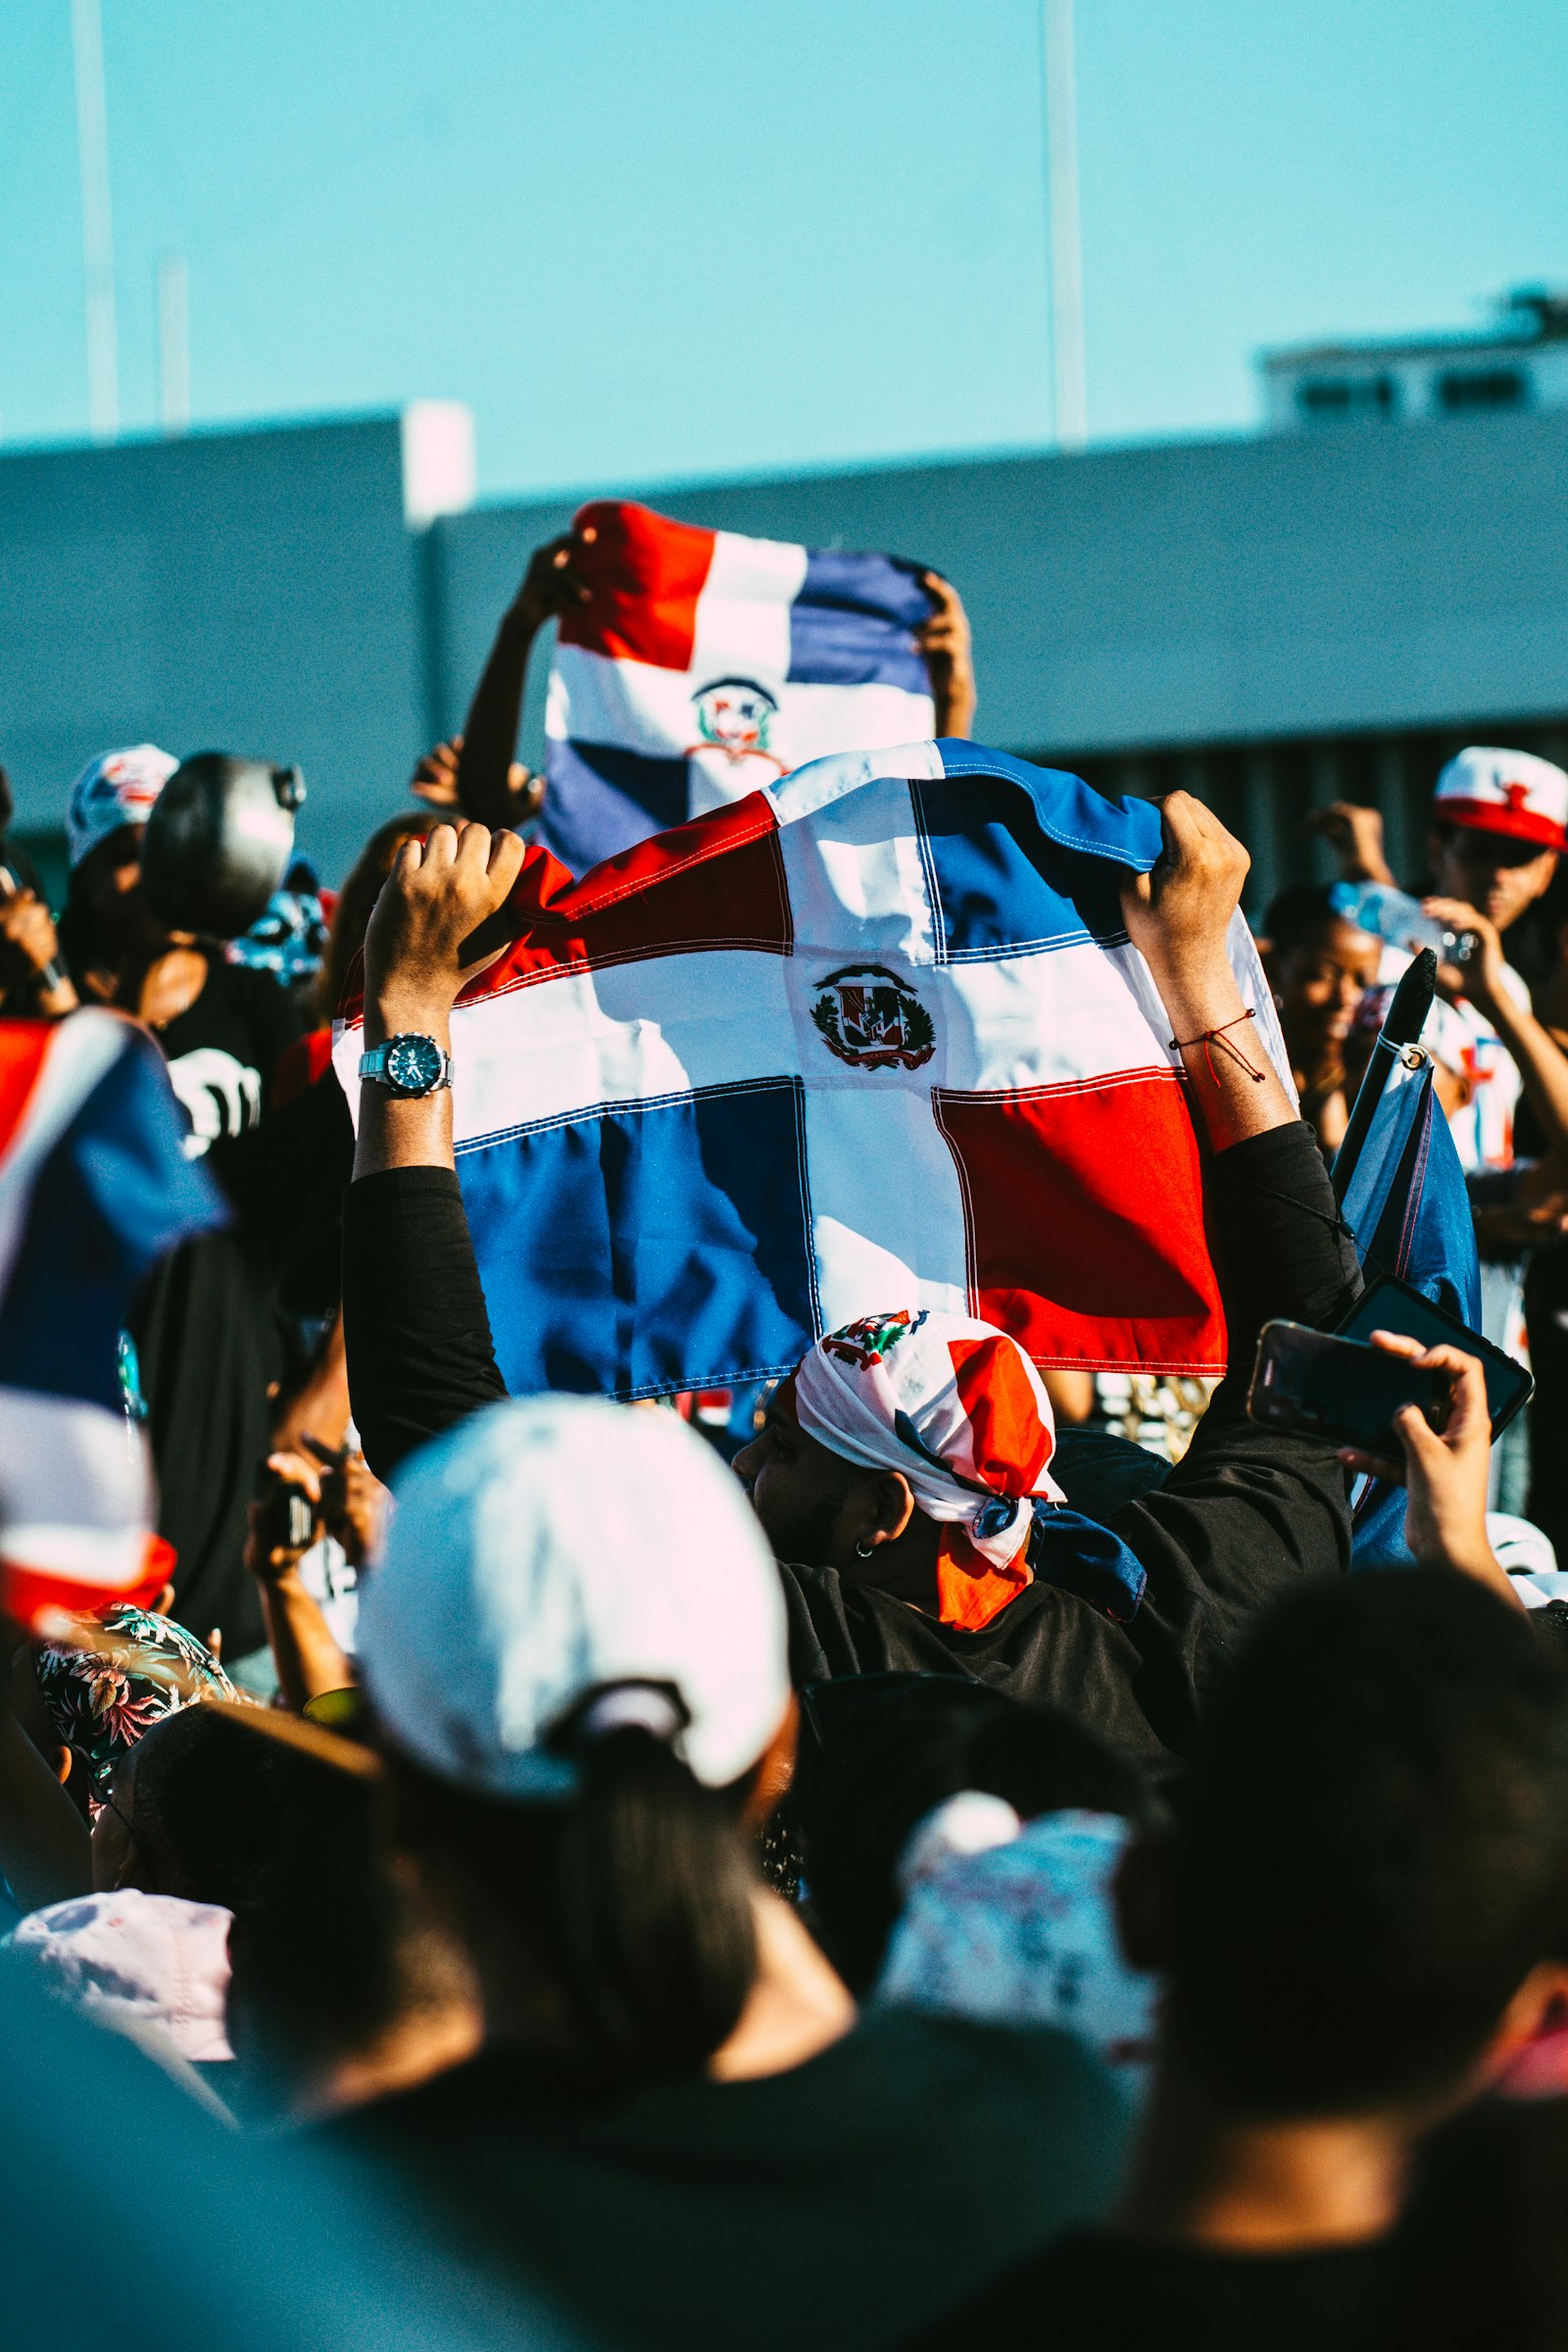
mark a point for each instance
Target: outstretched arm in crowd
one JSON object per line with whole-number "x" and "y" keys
{"x": 1445, "y": 1472}
{"x": 1542, "y": 1065}
{"x": 344, "y": 1500}
{"x": 944, "y": 640}
{"x": 420, "y": 1354}
{"x": 1250, "y": 1512}
{"x": 491, "y": 788}
{"x": 1179, "y": 918}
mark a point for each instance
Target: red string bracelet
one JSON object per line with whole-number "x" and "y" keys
{"x": 1210, "y": 1038}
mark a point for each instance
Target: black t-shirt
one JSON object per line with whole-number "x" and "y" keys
{"x": 1097, "y": 2292}
{"x": 205, "y": 1322}
{"x": 222, "y": 1049}
{"x": 839, "y": 2204}
{"x": 1248, "y": 1514}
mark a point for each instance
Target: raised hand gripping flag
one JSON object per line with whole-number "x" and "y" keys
{"x": 707, "y": 665}
{"x": 872, "y": 1039}
{"x": 95, "y": 1185}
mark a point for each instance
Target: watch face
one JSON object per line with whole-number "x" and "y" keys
{"x": 414, "y": 1065}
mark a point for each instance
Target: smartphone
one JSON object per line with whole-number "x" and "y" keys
{"x": 287, "y": 1516}
{"x": 1389, "y": 1305}
{"x": 1343, "y": 1391}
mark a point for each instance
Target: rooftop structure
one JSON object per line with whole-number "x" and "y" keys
{"x": 1518, "y": 364}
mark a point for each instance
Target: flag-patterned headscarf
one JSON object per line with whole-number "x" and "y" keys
{"x": 958, "y": 1409}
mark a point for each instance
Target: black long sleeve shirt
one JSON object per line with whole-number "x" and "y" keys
{"x": 1248, "y": 1515}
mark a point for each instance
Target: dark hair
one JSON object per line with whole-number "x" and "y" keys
{"x": 1372, "y": 1845}
{"x": 628, "y": 1904}
{"x": 882, "y": 1751}
{"x": 332, "y": 1952}
{"x": 206, "y": 1802}
{"x": 1299, "y": 916}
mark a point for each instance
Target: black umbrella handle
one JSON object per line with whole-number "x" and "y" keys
{"x": 1403, "y": 1025}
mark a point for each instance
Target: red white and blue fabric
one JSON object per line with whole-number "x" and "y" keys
{"x": 958, "y": 1412}
{"x": 873, "y": 1038}
{"x": 95, "y": 1185}
{"x": 707, "y": 665}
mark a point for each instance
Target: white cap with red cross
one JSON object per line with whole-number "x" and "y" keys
{"x": 1513, "y": 792}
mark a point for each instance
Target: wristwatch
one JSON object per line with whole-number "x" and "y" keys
{"x": 408, "y": 1064}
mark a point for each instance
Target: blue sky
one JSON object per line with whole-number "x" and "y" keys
{"x": 656, "y": 240}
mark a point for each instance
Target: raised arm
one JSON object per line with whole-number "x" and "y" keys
{"x": 1179, "y": 917}
{"x": 415, "y": 1326}
{"x": 488, "y": 788}
{"x": 1249, "y": 1511}
{"x": 944, "y": 640}
{"x": 1542, "y": 1065}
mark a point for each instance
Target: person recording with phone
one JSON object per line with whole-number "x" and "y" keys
{"x": 303, "y": 1497}
{"x": 1444, "y": 1470}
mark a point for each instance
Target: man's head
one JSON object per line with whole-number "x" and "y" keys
{"x": 192, "y": 1810}
{"x": 906, "y": 1453}
{"x": 881, "y": 1751}
{"x": 1499, "y": 821}
{"x": 1368, "y": 1882}
{"x": 575, "y": 1649}
{"x": 1319, "y": 968}
{"x": 102, "y": 1693}
{"x": 106, "y": 817}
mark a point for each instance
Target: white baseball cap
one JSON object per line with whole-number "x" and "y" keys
{"x": 117, "y": 787}
{"x": 1504, "y": 792}
{"x": 553, "y": 1547}
{"x": 148, "y": 1965}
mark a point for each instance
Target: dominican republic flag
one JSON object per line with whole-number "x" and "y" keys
{"x": 95, "y": 1185}
{"x": 874, "y": 1038}
{"x": 707, "y": 665}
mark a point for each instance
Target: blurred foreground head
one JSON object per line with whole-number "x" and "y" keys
{"x": 1372, "y": 1852}
{"x": 575, "y": 1652}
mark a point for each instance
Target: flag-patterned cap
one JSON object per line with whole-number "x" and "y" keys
{"x": 1513, "y": 792}
{"x": 117, "y": 787}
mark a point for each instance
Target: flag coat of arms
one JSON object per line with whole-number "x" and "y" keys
{"x": 873, "y": 1038}
{"x": 707, "y": 665}
{"x": 95, "y": 1185}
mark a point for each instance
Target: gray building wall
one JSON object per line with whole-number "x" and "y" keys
{"x": 1272, "y": 621}
{"x": 251, "y": 592}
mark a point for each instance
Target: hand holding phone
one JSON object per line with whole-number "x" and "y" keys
{"x": 1344, "y": 1390}
{"x": 286, "y": 1517}
{"x": 1444, "y": 1472}
{"x": 1424, "y": 1420}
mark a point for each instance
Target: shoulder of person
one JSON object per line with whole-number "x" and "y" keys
{"x": 968, "y": 2061}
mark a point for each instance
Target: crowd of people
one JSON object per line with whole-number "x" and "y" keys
{"x": 933, "y": 1871}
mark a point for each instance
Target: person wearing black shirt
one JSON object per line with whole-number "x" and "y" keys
{"x": 1360, "y": 1914}
{"x": 209, "y": 1347}
{"x": 576, "y": 1652}
{"x": 1248, "y": 1515}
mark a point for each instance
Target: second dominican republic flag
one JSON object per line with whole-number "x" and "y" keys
{"x": 94, "y": 1186}
{"x": 874, "y": 1038}
{"x": 708, "y": 665}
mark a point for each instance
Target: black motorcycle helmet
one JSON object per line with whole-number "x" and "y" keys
{"x": 219, "y": 842}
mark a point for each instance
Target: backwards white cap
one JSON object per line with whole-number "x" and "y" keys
{"x": 1513, "y": 792}
{"x": 117, "y": 787}
{"x": 549, "y": 1546}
